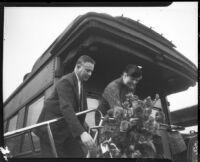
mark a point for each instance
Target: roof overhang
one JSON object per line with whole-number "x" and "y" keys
{"x": 135, "y": 41}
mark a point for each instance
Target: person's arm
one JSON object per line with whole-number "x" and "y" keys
{"x": 109, "y": 100}
{"x": 67, "y": 103}
{"x": 111, "y": 96}
{"x": 86, "y": 126}
{"x": 103, "y": 108}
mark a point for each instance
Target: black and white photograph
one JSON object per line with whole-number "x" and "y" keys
{"x": 100, "y": 82}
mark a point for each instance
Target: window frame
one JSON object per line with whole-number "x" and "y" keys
{"x": 5, "y": 126}
{"x": 8, "y": 122}
{"x": 17, "y": 145}
{"x": 28, "y": 107}
{"x": 92, "y": 95}
{"x": 26, "y": 119}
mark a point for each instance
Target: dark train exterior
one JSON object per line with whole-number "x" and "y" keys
{"x": 113, "y": 42}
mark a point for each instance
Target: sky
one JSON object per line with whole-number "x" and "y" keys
{"x": 29, "y": 31}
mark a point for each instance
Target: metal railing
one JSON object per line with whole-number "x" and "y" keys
{"x": 47, "y": 124}
{"x": 50, "y": 135}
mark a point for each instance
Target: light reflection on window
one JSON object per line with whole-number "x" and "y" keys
{"x": 12, "y": 123}
{"x": 34, "y": 111}
{"x": 4, "y": 127}
{"x": 90, "y": 117}
{"x": 188, "y": 129}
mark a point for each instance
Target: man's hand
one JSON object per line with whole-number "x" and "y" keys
{"x": 86, "y": 126}
{"x": 87, "y": 140}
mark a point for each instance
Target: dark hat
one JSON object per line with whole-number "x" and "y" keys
{"x": 133, "y": 70}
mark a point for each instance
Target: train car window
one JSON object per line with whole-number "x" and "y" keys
{"x": 190, "y": 129}
{"x": 13, "y": 143}
{"x": 12, "y": 123}
{"x": 34, "y": 111}
{"x": 90, "y": 117}
{"x": 4, "y": 126}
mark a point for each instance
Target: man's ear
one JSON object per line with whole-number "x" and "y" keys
{"x": 78, "y": 66}
{"x": 140, "y": 78}
{"x": 124, "y": 74}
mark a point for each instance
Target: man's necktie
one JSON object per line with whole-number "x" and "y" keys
{"x": 81, "y": 98}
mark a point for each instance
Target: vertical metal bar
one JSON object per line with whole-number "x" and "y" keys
{"x": 96, "y": 134}
{"x": 110, "y": 154}
{"x": 31, "y": 139}
{"x": 165, "y": 108}
{"x": 52, "y": 141}
{"x": 100, "y": 124}
{"x": 88, "y": 154}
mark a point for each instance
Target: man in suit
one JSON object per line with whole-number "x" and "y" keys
{"x": 115, "y": 92}
{"x": 68, "y": 98}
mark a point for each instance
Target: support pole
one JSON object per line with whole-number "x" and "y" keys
{"x": 52, "y": 141}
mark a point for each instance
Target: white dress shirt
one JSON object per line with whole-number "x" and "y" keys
{"x": 79, "y": 85}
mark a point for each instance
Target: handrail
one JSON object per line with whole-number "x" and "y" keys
{"x": 15, "y": 132}
{"x": 47, "y": 123}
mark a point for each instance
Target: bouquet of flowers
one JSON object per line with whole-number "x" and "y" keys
{"x": 130, "y": 131}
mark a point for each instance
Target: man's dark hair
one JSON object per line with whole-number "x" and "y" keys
{"x": 85, "y": 58}
{"x": 133, "y": 71}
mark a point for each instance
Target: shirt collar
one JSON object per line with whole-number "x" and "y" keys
{"x": 79, "y": 84}
{"x": 77, "y": 77}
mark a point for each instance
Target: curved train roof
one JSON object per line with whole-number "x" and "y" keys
{"x": 122, "y": 24}
{"x": 134, "y": 25}
{"x": 123, "y": 20}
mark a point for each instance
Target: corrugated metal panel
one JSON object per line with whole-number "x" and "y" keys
{"x": 29, "y": 91}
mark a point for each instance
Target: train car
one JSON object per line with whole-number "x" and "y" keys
{"x": 113, "y": 42}
{"x": 187, "y": 117}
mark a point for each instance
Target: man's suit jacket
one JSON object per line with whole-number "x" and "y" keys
{"x": 64, "y": 102}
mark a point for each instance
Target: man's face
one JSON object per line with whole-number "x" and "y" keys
{"x": 130, "y": 81}
{"x": 85, "y": 70}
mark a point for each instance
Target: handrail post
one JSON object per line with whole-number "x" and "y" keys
{"x": 31, "y": 140}
{"x": 100, "y": 124}
{"x": 28, "y": 130}
{"x": 52, "y": 141}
